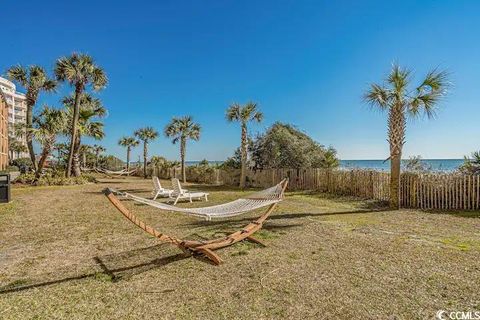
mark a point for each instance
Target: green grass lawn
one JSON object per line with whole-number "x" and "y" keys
{"x": 66, "y": 253}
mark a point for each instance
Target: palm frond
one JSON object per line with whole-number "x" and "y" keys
{"x": 80, "y": 70}
{"x": 233, "y": 112}
{"x": 49, "y": 85}
{"x": 182, "y": 128}
{"x": 128, "y": 142}
{"x": 377, "y": 96}
{"x": 399, "y": 79}
{"x": 432, "y": 89}
{"x": 48, "y": 124}
{"x": 99, "y": 79}
{"x": 18, "y": 73}
{"x": 146, "y": 134}
{"x": 436, "y": 81}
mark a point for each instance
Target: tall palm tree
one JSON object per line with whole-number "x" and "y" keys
{"x": 97, "y": 149}
{"x": 244, "y": 115}
{"x": 62, "y": 151}
{"x": 129, "y": 143}
{"x": 15, "y": 147}
{"x": 15, "y": 137}
{"x": 80, "y": 71}
{"x": 35, "y": 80}
{"x": 400, "y": 101}
{"x": 85, "y": 149}
{"x": 46, "y": 127}
{"x": 91, "y": 110}
{"x": 180, "y": 130}
{"x": 146, "y": 134}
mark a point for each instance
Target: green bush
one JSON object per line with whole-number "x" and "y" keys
{"x": 285, "y": 146}
{"x": 471, "y": 165}
{"x": 201, "y": 171}
{"x": 23, "y": 164}
{"x": 12, "y": 169}
{"x": 54, "y": 178}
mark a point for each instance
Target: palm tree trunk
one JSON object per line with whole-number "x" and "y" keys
{"x": 76, "y": 107}
{"x": 41, "y": 164}
{"x": 243, "y": 172}
{"x": 396, "y": 138}
{"x": 128, "y": 160}
{"x": 41, "y": 161}
{"x": 395, "y": 181}
{"x": 76, "y": 157}
{"x": 145, "y": 154}
{"x": 182, "y": 158}
{"x": 31, "y": 152}
{"x": 84, "y": 159}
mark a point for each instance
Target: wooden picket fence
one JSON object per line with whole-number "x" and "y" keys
{"x": 444, "y": 191}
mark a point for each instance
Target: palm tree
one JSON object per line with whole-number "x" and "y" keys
{"x": 129, "y": 143}
{"x": 395, "y": 97}
{"x": 243, "y": 115}
{"x": 46, "y": 127}
{"x": 62, "y": 151}
{"x": 15, "y": 137}
{"x": 35, "y": 80}
{"x": 15, "y": 147}
{"x": 158, "y": 161}
{"x": 471, "y": 165}
{"x": 85, "y": 149}
{"x": 80, "y": 71}
{"x": 97, "y": 149}
{"x": 90, "y": 110}
{"x": 180, "y": 130}
{"x": 146, "y": 134}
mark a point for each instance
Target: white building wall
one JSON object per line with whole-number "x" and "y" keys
{"x": 17, "y": 110}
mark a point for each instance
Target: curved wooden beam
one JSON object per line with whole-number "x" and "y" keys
{"x": 145, "y": 227}
{"x": 203, "y": 247}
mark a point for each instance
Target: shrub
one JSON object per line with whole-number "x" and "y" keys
{"x": 23, "y": 164}
{"x": 416, "y": 165}
{"x": 284, "y": 146}
{"x": 201, "y": 172}
{"x": 12, "y": 169}
{"x": 54, "y": 178}
{"x": 471, "y": 165}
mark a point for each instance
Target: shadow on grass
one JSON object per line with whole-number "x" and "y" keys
{"x": 456, "y": 213}
{"x": 235, "y": 223}
{"x": 121, "y": 190}
{"x": 111, "y": 268}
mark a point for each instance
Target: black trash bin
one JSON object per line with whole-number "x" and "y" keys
{"x": 4, "y": 188}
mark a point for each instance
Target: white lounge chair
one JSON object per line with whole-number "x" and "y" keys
{"x": 179, "y": 193}
{"x": 158, "y": 190}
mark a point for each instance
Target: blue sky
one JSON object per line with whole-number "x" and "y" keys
{"x": 304, "y": 62}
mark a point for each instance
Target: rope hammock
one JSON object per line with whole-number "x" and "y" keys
{"x": 252, "y": 202}
{"x": 271, "y": 197}
{"x": 120, "y": 172}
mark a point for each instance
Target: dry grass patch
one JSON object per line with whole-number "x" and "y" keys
{"x": 66, "y": 253}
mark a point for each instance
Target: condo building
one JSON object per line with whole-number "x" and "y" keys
{"x": 3, "y": 132}
{"x": 17, "y": 113}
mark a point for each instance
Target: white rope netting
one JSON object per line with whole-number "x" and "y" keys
{"x": 120, "y": 172}
{"x": 252, "y": 202}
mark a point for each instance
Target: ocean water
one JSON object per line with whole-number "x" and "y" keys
{"x": 445, "y": 165}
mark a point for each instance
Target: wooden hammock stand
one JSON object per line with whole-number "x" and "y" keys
{"x": 193, "y": 247}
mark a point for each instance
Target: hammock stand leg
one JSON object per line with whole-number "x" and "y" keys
{"x": 211, "y": 255}
{"x": 205, "y": 248}
{"x": 255, "y": 240}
